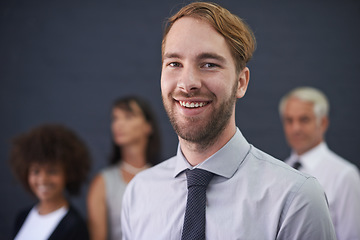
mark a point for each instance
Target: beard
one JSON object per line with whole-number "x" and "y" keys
{"x": 203, "y": 132}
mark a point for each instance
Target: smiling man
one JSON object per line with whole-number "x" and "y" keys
{"x": 218, "y": 186}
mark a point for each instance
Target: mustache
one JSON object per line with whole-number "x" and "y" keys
{"x": 179, "y": 94}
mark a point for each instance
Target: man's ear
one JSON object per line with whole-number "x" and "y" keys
{"x": 243, "y": 78}
{"x": 324, "y": 123}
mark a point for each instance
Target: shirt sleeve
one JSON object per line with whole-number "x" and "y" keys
{"x": 307, "y": 215}
{"x": 347, "y": 205}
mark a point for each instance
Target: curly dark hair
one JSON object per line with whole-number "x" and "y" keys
{"x": 154, "y": 144}
{"x": 51, "y": 144}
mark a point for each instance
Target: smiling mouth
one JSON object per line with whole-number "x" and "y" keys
{"x": 192, "y": 104}
{"x": 44, "y": 188}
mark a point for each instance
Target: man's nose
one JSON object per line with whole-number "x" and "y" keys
{"x": 190, "y": 79}
{"x": 296, "y": 126}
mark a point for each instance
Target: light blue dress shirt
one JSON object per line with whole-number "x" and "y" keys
{"x": 252, "y": 196}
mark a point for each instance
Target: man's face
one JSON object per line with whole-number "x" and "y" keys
{"x": 199, "y": 81}
{"x": 302, "y": 129}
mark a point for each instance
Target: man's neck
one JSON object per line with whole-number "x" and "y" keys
{"x": 196, "y": 153}
{"x": 305, "y": 151}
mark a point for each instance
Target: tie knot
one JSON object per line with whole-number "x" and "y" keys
{"x": 198, "y": 177}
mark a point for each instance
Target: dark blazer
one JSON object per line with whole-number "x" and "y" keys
{"x": 71, "y": 227}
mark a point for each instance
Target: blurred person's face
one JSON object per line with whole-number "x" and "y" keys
{"x": 47, "y": 181}
{"x": 302, "y": 129}
{"x": 129, "y": 127}
{"x": 199, "y": 81}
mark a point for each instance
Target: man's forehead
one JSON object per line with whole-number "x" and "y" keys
{"x": 192, "y": 28}
{"x": 189, "y": 22}
{"x": 298, "y": 106}
{"x": 196, "y": 38}
{"x": 301, "y": 101}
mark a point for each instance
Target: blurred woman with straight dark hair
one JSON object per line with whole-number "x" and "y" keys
{"x": 136, "y": 147}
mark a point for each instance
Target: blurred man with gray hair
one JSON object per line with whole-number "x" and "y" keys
{"x": 304, "y": 112}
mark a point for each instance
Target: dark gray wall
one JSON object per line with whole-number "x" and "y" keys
{"x": 66, "y": 61}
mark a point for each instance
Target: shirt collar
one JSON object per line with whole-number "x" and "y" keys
{"x": 311, "y": 158}
{"x": 224, "y": 162}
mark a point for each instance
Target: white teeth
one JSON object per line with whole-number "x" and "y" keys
{"x": 192, "y": 104}
{"x": 43, "y": 188}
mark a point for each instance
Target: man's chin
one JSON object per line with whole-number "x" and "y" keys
{"x": 190, "y": 131}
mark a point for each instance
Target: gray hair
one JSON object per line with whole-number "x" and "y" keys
{"x": 308, "y": 94}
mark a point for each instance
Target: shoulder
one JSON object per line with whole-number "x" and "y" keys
{"x": 157, "y": 172}
{"x": 307, "y": 203}
{"x": 105, "y": 176}
{"x": 99, "y": 181}
{"x": 74, "y": 216}
{"x": 301, "y": 196}
{"x": 334, "y": 164}
{"x": 271, "y": 174}
{"x": 112, "y": 175}
{"x": 20, "y": 219}
{"x": 339, "y": 161}
{"x": 72, "y": 226}
{"x": 22, "y": 214}
{"x": 109, "y": 169}
{"x": 97, "y": 185}
{"x": 268, "y": 164}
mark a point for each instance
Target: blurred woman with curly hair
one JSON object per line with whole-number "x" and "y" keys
{"x": 50, "y": 161}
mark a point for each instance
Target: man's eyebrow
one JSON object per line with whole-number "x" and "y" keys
{"x": 199, "y": 57}
{"x": 171, "y": 55}
{"x": 211, "y": 56}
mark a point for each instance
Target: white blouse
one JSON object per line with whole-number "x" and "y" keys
{"x": 38, "y": 226}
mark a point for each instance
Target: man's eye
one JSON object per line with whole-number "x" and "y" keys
{"x": 210, "y": 65}
{"x": 304, "y": 120}
{"x": 174, "y": 64}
